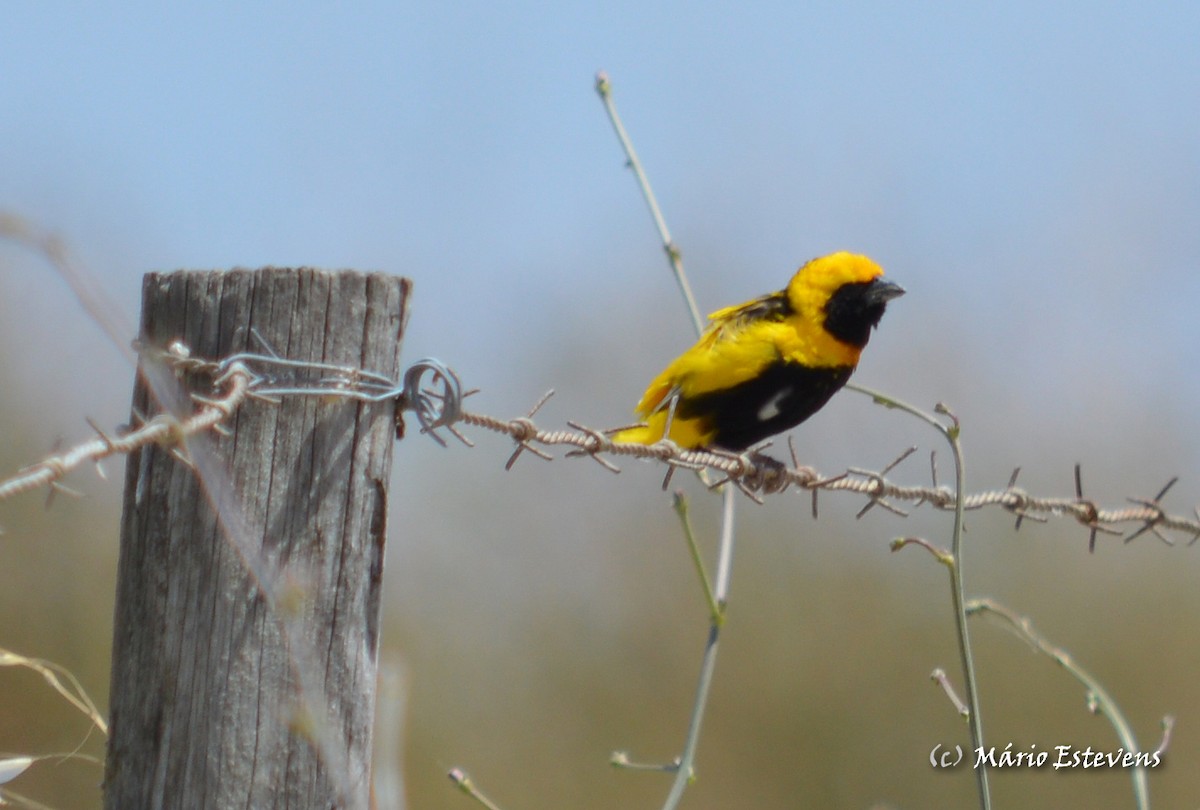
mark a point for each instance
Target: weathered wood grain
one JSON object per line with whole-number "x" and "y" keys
{"x": 248, "y": 594}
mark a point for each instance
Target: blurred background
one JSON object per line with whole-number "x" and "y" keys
{"x": 1030, "y": 174}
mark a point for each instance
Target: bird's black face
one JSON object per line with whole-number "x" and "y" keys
{"x": 856, "y": 307}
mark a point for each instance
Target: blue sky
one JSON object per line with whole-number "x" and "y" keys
{"x": 1030, "y": 172}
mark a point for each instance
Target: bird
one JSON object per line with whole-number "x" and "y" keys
{"x": 765, "y": 366}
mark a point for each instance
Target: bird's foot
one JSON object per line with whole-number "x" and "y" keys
{"x": 769, "y": 473}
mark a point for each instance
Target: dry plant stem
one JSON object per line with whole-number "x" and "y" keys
{"x": 681, "y": 509}
{"x": 21, "y": 800}
{"x": 1104, "y": 702}
{"x": 604, "y": 88}
{"x": 951, "y": 432}
{"x": 387, "y": 777}
{"x": 72, "y": 691}
{"x": 939, "y": 677}
{"x": 725, "y": 554}
{"x": 685, "y": 770}
{"x": 460, "y": 778}
{"x": 1168, "y": 727}
{"x": 683, "y": 774}
{"x": 87, "y": 289}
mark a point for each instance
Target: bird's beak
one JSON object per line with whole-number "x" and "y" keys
{"x": 881, "y": 291}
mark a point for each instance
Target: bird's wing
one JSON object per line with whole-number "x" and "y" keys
{"x": 771, "y": 307}
{"x": 718, "y": 359}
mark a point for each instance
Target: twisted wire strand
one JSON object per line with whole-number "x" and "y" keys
{"x": 754, "y": 474}
{"x": 163, "y": 429}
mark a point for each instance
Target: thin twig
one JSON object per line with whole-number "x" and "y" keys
{"x": 91, "y": 295}
{"x": 684, "y": 773}
{"x": 464, "y": 783}
{"x": 55, "y": 675}
{"x": 681, "y": 508}
{"x": 1097, "y": 694}
{"x": 604, "y": 88}
{"x": 955, "y": 566}
{"x": 940, "y": 677}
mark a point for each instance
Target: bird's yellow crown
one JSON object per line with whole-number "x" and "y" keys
{"x": 816, "y": 282}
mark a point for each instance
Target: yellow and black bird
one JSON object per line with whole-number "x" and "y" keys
{"x": 767, "y": 365}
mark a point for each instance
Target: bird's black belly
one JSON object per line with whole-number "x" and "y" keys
{"x": 782, "y": 396}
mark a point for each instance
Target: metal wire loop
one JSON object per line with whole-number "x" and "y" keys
{"x": 439, "y": 404}
{"x": 277, "y": 376}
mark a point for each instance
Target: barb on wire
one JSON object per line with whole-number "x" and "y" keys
{"x": 163, "y": 429}
{"x": 755, "y": 473}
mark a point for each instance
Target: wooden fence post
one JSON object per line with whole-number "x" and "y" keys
{"x": 244, "y": 669}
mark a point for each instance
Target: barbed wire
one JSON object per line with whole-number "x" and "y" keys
{"x": 754, "y": 473}
{"x": 434, "y": 393}
{"x": 163, "y": 429}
